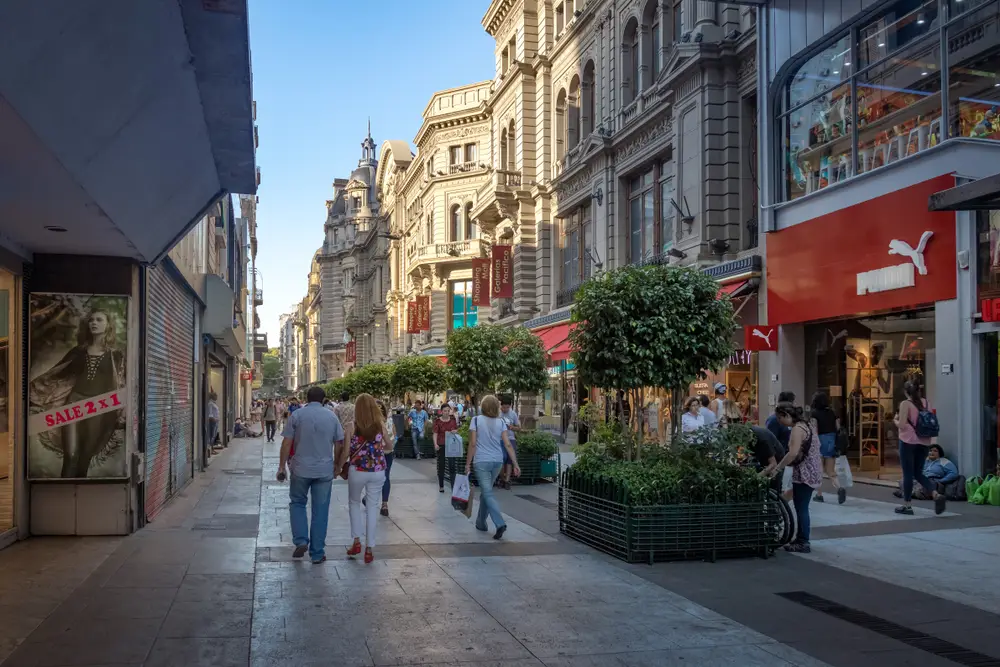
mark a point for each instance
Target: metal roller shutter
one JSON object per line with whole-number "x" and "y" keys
{"x": 169, "y": 388}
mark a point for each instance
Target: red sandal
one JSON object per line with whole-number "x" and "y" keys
{"x": 354, "y": 549}
{"x": 369, "y": 556}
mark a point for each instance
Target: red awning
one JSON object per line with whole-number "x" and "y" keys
{"x": 555, "y": 340}
{"x": 732, "y": 288}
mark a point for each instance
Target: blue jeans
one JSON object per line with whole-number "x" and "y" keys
{"x": 415, "y": 435}
{"x": 388, "y": 485}
{"x": 911, "y": 460}
{"x": 213, "y": 432}
{"x": 302, "y": 532}
{"x": 801, "y": 495}
{"x": 486, "y": 474}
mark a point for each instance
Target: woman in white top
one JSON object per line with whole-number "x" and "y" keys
{"x": 692, "y": 420}
{"x": 488, "y": 438}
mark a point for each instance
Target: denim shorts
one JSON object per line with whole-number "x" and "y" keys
{"x": 828, "y": 445}
{"x": 506, "y": 456}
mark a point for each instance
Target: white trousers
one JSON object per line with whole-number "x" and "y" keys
{"x": 369, "y": 483}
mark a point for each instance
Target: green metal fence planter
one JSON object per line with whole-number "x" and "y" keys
{"x": 535, "y": 467}
{"x": 596, "y": 511}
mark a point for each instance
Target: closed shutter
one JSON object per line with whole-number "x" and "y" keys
{"x": 169, "y": 388}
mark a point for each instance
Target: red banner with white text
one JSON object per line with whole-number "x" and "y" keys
{"x": 481, "y": 282}
{"x": 352, "y": 352}
{"x": 411, "y": 317}
{"x": 503, "y": 272}
{"x": 424, "y": 313}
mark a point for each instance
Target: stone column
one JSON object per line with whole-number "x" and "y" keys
{"x": 688, "y": 16}
{"x": 706, "y": 24}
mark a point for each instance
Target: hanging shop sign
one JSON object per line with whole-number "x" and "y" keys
{"x": 352, "y": 352}
{"x": 760, "y": 338}
{"x": 78, "y": 391}
{"x": 503, "y": 272}
{"x": 411, "y": 318}
{"x": 481, "y": 282}
{"x": 424, "y": 313}
{"x": 885, "y": 253}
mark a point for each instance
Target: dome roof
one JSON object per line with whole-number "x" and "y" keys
{"x": 364, "y": 174}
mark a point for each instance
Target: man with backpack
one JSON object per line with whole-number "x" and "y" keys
{"x": 917, "y": 425}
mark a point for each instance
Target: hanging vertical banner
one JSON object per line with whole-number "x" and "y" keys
{"x": 411, "y": 317}
{"x": 424, "y": 313}
{"x": 503, "y": 272}
{"x": 352, "y": 352}
{"x": 481, "y": 282}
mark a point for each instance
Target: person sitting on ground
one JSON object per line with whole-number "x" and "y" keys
{"x": 939, "y": 470}
{"x": 243, "y": 430}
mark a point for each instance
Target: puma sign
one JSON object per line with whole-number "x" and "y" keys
{"x": 899, "y": 276}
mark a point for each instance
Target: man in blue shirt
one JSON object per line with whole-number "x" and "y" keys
{"x": 307, "y": 447}
{"x": 774, "y": 426}
{"x": 513, "y": 424}
{"x": 417, "y": 418}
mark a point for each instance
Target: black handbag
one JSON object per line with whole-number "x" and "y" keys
{"x": 842, "y": 442}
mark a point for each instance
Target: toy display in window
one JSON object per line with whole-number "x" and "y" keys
{"x": 987, "y": 124}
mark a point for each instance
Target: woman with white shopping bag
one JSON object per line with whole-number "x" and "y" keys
{"x": 365, "y": 471}
{"x": 488, "y": 438}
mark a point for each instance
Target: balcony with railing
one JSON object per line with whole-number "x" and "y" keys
{"x": 497, "y": 196}
{"x": 565, "y": 296}
{"x": 444, "y": 252}
{"x": 464, "y": 168}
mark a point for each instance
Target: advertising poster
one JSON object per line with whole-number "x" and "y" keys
{"x": 77, "y": 388}
{"x": 503, "y": 272}
{"x": 481, "y": 282}
{"x": 424, "y": 313}
{"x": 411, "y": 317}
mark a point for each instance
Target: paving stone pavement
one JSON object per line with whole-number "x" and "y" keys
{"x": 211, "y": 581}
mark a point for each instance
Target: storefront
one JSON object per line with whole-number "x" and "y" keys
{"x": 11, "y": 453}
{"x": 862, "y": 296}
{"x": 988, "y": 330}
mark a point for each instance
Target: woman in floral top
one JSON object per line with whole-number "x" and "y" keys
{"x": 807, "y": 468}
{"x": 366, "y": 472}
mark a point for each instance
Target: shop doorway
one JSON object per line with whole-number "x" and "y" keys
{"x": 8, "y": 375}
{"x": 862, "y": 364}
{"x": 990, "y": 343}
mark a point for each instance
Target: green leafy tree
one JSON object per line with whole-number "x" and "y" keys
{"x": 337, "y": 387}
{"x": 270, "y": 368}
{"x": 525, "y": 363}
{"x": 426, "y": 375}
{"x": 476, "y": 361}
{"x": 650, "y": 326}
{"x": 374, "y": 379}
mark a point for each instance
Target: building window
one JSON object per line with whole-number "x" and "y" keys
{"x": 560, "y": 19}
{"x": 641, "y": 216}
{"x": 471, "y": 153}
{"x": 457, "y": 224}
{"x": 463, "y": 313}
{"x": 455, "y": 155}
{"x": 511, "y": 147}
{"x": 651, "y": 21}
{"x": 630, "y": 62}
{"x": 429, "y": 228}
{"x": 504, "y": 61}
{"x": 561, "y": 126}
{"x": 471, "y": 229}
{"x": 575, "y": 250}
{"x": 588, "y": 110}
{"x": 574, "y": 112}
{"x": 678, "y": 26}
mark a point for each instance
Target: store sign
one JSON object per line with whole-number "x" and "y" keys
{"x": 989, "y": 309}
{"x": 352, "y": 352}
{"x": 76, "y": 412}
{"x": 741, "y": 358}
{"x": 503, "y": 272}
{"x": 899, "y": 276}
{"x": 424, "y": 313}
{"x": 411, "y": 318}
{"x": 760, "y": 338}
{"x": 885, "y": 253}
{"x": 481, "y": 282}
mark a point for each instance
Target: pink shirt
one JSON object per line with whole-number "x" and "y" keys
{"x": 907, "y": 419}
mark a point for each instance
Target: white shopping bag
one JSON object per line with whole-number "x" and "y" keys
{"x": 461, "y": 492}
{"x": 453, "y": 445}
{"x": 786, "y": 479}
{"x": 843, "y": 469}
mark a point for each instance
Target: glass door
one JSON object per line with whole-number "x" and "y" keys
{"x": 990, "y": 346}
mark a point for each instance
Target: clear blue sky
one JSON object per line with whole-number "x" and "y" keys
{"x": 321, "y": 68}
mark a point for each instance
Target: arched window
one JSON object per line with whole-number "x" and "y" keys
{"x": 429, "y": 227}
{"x": 511, "y": 147}
{"x": 503, "y": 148}
{"x": 573, "y": 118}
{"x": 561, "y": 125}
{"x": 457, "y": 228}
{"x": 651, "y": 42}
{"x": 588, "y": 108}
{"x": 470, "y": 225}
{"x": 630, "y": 62}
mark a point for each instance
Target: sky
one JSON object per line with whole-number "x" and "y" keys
{"x": 321, "y": 68}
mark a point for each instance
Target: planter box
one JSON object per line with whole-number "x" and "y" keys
{"x": 596, "y": 512}
{"x": 534, "y": 468}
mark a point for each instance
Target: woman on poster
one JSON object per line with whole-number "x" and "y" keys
{"x": 94, "y": 367}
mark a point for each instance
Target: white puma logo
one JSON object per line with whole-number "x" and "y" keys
{"x": 916, "y": 255}
{"x": 767, "y": 338}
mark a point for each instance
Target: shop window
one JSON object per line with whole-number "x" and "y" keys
{"x": 822, "y": 72}
{"x": 974, "y": 74}
{"x": 575, "y": 248}
{"x": 904, "y": 23}
{"x": 463, "y": 313}
{"x": 988, "y": 261}
{"x": 641, "y": 216}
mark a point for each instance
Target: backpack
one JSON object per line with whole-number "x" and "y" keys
{"x": 926, "y": 425}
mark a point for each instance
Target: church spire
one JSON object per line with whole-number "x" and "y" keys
{"x": 368, "y": 147}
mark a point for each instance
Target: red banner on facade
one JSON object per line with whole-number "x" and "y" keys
{"x": 760, "y": 338}
{"x": 352, "y": 352}
{"x": 424, "y": 313}
{"x": 503, "y": 272}
{"x": 411, "y": 317}
{"x": 481, "y": 282}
